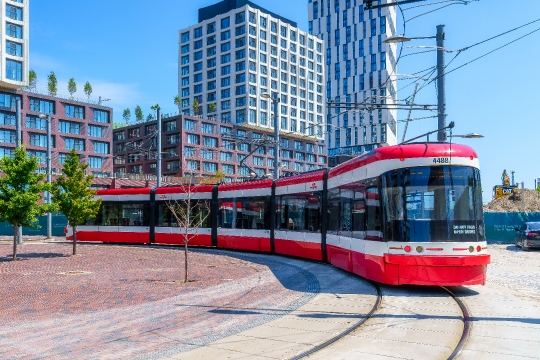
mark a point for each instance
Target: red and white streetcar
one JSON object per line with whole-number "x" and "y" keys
{"x": 405, "y": 214}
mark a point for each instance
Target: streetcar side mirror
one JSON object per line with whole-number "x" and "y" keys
{"x": 516, "y": 228}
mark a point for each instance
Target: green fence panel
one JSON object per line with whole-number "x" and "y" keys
{"x": 500, "y": 226}
{"x": 58, "y": 224}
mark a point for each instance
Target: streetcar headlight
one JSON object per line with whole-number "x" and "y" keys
{"x": 407, "y": 248}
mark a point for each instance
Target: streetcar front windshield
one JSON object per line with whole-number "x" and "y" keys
{"x": 433, "y": 204}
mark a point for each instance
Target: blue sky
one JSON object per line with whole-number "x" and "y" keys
{"x": 127, "y": 49}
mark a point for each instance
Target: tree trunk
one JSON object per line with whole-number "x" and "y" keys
{"x": 186, "y": 257}
{"x": 15, "y": 240}
{"x": 74, "y": 240}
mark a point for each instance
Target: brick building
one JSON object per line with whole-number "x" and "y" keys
{"x": 76, "y": 124}
{"x": 193, "y": 145}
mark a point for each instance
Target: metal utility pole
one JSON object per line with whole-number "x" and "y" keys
{"x": 18, "y": 142}
{"x": 158, "y": 145}
{"x": 48, "y": 119}
{"x": 441, "y": 96}
{"x": 275, "y": 101}
{"x": 49, "y": 176}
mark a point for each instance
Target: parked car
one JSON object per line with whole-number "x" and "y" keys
{"x": 528, "y": 235}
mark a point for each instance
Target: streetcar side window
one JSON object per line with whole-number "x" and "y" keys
{"x": 299, "y": 212}
{"x": 245, "y": 213}
{"x": 373, "y": 209}
{"x": 333, "y": 211}
{"x": 199, "y": 208}
{"x": 125, "y": 214}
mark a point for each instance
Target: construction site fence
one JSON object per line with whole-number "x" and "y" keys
{"x": 58, "y": 225}
{"x": 500, "y": 226}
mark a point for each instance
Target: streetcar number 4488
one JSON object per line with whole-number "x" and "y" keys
{"x": 441, "y": 160}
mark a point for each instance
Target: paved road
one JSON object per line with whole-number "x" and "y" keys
{"x": 123, "y": 303}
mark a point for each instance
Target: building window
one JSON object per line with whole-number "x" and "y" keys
{"x": 95, "y": 162}
{"x": 7, "y": 119}
{"x": 14, "y": 70}
{"x": 225, "y": 22}
{"x": 193, "y": 139}
{"x": 68, "y": 127}
{"x": 173, "y": 165}
{"x": 101, "y": 116}
{"x": 13, "y": 48}
{"x": 193, "y": 165}
{"x": 95, "y": 131}
{"x": 8, "y": 136}
{"x": 209, "y": 167}
{"x": 209, "y": 141}
{"x": 34, "y": 122}
{"x": 101, "y": 147}
{"x": 14, "y": 30}
{"x": 240, "y": 17}
{"x": 14, "y": 12}
{"x": 74, "y": 111}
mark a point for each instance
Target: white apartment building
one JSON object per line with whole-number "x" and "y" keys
{"x": 14, "y": 50}
{"x": 360, "y": 68}
{"x": 238, "y": 51}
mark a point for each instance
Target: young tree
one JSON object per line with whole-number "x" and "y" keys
{"x": 72, "y": 87}
{"x": 196, "y": 107}
{"x": 149, "y": 117}
{"x": 88, "y": 89}
{"x": 52, "y": 84}
{"x": 21, "y": 192}
{"x": 190, "y": 213}
{"x": 139, "y": 116}
{"x": 212, "y": 107}
{"x": 127, "y": 115}
{"x": 178, "y": 103}
{"x": 73, "y": 195}
{"x": 32, "y": 79}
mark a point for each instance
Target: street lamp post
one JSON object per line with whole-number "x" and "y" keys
{"x": 158, "y": 145}
{"x": 275, "y": 102}
{"x": 49, "y": 175}
{"x": 441, "y": 85}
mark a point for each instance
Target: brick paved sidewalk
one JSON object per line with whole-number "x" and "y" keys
{"x": 123, "y": 301}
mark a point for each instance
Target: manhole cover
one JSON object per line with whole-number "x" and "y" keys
{"x": 74, "y": 272}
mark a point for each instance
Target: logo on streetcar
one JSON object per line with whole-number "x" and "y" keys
{"x": 313, "y": 186}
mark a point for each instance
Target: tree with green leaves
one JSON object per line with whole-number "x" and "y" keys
{"x": 178, "y": 103}
{"x": 73, "y": 195}
{"x": 212, "y": 108}
{"x": 72, "y": 87}
{"x": 88, "y": 89}
{"x": 21, "y": 192}
{"x": 126, "y": 115}
{"x": 139, "y": 116}
{"x": 154, "y": 107}
{"x": 52, "y": 84}
{"x": 196, "y": 107}
{"x": 32, "y": 79}
{"x": 149, "y": 117}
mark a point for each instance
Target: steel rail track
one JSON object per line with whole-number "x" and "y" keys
{"x": 346, "y": 332}
{"x": 453, "y": 355}
{"x": 466, "y": 324}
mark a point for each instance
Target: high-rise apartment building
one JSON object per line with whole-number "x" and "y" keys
{"x": 359, "y": 68}
{"x": 14, "y": 50}
{"x": 238, "y": 51}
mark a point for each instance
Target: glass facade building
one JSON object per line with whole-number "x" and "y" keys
{"x": 359, "y": 69}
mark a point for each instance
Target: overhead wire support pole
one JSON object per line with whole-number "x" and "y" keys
{"x": 441, "y": 94}
{"x": 158, "y": 145}
{"x": 18, "y": 142}
{"x": 49, "y": 175}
